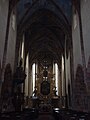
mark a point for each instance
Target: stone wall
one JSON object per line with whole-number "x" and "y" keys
{"x": 85, "y": 13}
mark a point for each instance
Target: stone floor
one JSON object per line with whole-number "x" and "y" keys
{"x": 45, "y": 117}
{"x": 55, "y": 114}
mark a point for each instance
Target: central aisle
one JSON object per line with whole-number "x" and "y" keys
{"x": 45, "y": 116}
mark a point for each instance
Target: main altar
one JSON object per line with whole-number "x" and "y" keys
{"x": 44, "y": 96}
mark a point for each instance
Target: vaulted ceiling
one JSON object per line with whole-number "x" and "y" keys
{"x": 45, "y": 23}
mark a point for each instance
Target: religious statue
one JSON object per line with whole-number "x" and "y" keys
{"x": 18, "y": 79}
{"x": 35, "y": 92}
{"x": 19, "y": 75}
{"x": 54, "y": 91}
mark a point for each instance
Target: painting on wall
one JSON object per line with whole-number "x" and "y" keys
{"x": 45, "y": 87}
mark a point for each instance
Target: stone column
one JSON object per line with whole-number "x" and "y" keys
{"x": 82, "y": 44}
{"x": 5, "y": 45}
{"x": 30, "y": 82}
{"x": 82, "y": 51}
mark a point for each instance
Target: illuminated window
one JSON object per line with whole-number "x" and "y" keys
{"x": 62, "y": 63}
{"x": 27, "y": 72}
{"x": 36, "y": 70}
{"x": 53, "y": 71}
{"x": 56, "y": 76}
{"x": 33, "y": 75}
{"x": 75, "y": 20}
{"x": 13, "y": 21}
{"x": 63, "y": 82}
{"x": 22, "y": 50}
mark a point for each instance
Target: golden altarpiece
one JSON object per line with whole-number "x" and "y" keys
{"x": 45, "y": 89}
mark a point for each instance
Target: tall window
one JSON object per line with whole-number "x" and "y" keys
{"x": 22, "y": 50}
{"x": 36, "y": 70}
{"x": 33, "y": 75}
{"x": 53, "y": 71}
{"x": 63, "y": 80}
{"x": 56, "y": 76}
{"x": 62, "y": 63}
{"x": 13, "y": 21}
{"x": 75, "y": 20}
{"x": 27, "y": 72}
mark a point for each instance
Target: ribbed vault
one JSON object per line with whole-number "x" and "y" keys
{"x": 45, "y": 35}
{"x": 45, "y": 27}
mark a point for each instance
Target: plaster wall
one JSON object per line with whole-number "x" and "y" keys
{"x": 77, "y": 58}
{"x": 85, "y": 17}
{"x": 3, "y": 22}
{"x": 12, "y": 40}
{"x": 76, "y": 42}
{"x": 85, "y": 13}
{"x": 12, "y": 33}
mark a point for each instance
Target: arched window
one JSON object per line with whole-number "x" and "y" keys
{"x": 22, "y": 48}
{"x": 27, "y": 73}
{"x": 56, "y": 76}
{"x": 13, "y": 21}
{"x": 33, "y": 75}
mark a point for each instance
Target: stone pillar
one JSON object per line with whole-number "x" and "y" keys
{"x": 63, "y": 82}
{"x": 5, "y": 45}
{"x": 30, "y": 82}
{"x": 82, "y": 49}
